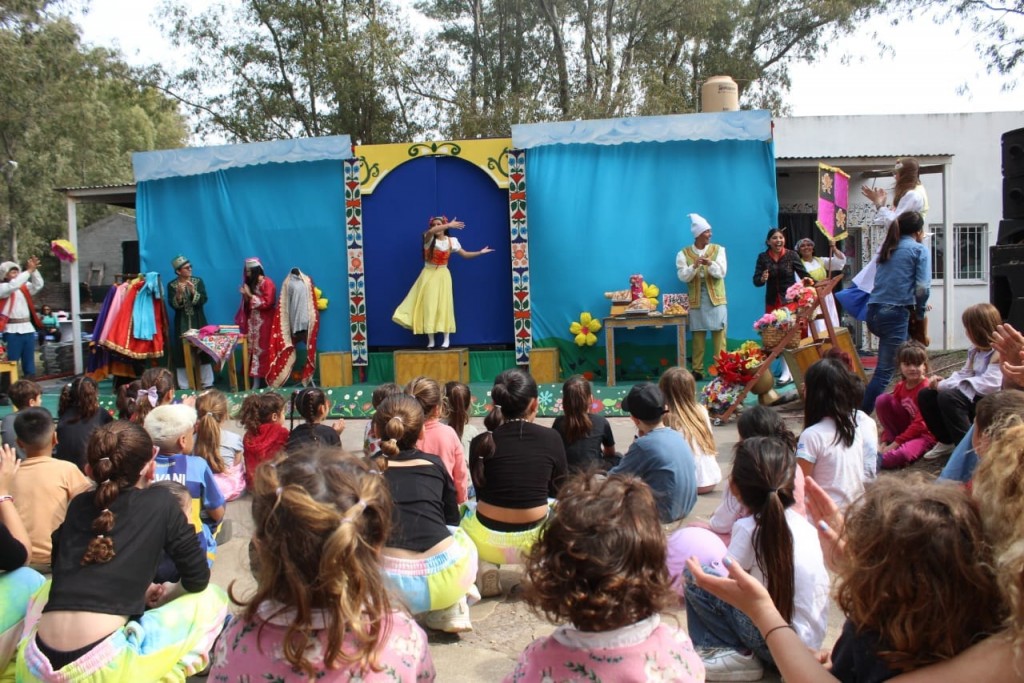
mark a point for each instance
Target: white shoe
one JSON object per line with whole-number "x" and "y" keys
{"x": 488, "y": 579}
{"x": 723, "y": 664}
{"x": 454, "y": 619}
{"x": 939, "y": 450}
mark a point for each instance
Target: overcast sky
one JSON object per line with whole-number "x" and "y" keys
{"x": 929, "y": 64}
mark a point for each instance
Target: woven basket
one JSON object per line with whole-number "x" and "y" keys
{"x": 772, "y": 337}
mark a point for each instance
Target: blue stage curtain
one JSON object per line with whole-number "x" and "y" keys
{"x": 600, "y": 213}
{"x": 289, "y": 215}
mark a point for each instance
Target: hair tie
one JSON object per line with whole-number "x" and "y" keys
{"x": 150, "y": 394}
{"x": 105, "y": 510}
{"x": 104, "y": 458}
{"x": 100, "y": 536}
{"x": 354, "y": 512}
{"x": 279, "y": 490}
{"x": 775, "y": 490}
{"x": 392, "y": 440}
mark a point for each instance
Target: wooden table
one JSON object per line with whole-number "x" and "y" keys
{"x": 192, "y": 367}
{"x": 634, "y": 321}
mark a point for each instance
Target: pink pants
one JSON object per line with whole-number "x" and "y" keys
{"x": 895, "y": 419}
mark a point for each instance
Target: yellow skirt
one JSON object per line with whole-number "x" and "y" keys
{"x": 429, "y": 306}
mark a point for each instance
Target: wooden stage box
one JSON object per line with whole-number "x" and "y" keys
{"x": 544, "y": 365}
{"x": 443, "y": 365}
{"x": 336, "y": 369}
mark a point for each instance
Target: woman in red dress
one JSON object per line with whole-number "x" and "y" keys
{"x": 259, "y": 296}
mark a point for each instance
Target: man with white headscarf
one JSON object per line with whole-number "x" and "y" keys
{"x": 18, "y": 318}
{"x": 702, "y": 267}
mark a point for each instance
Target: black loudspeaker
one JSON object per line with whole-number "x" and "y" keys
{"x": 1013, "y": 174}
{"x": 1013, "y": 197}
{"x": 1006, "y": 288}
{"x": 1011, "y": 232}
{"x": 130, "y": 257}
{"x": 1013, "y": 153}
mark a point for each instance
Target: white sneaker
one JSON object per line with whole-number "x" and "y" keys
{"x": 723, "y": 664}
{"x": 454, "y": 619}
{"x": 939, "y": 450}
{"x": 488, "y": 579}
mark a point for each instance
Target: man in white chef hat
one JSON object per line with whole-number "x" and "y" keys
{"x": 702, "y": 267}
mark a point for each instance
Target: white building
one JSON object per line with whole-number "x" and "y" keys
{"x": 961, "y": 160}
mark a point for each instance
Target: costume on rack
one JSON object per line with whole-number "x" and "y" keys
{"x": 429, "y": 307}
{"x": 18, "y": 318}
{"x": 255, "y": 318}
{"x": 187, "y": 297}
{"x": 296, "y": 319}
{"x": 138, "y": 329}
{"x": 706, "y": 290}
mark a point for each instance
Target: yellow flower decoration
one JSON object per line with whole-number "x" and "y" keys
{"x": 585, "y": 329}
{"x": 652, "y": 292}
{"x": 321, "y": 302}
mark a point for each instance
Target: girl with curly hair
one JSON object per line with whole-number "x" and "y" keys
{"x": 262, "y": 415}
{"x": 599, "y": 569}
{"x": 920, "y": 567}
{"x": 321, "y": 609}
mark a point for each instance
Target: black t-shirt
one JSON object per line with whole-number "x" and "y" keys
{"x": 526, "y": 469}
{"x": 73, "y": 435}
{"x": 12, "y": 553}
{"x": 590, "y": 449}
{"x": 855, "y": 657}
{"x": 425, "y": 502}
{"x": 147, "y": 522}
{"x": 312, "y": 434}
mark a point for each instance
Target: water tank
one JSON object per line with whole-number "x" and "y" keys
{"x": 719, "y": 93}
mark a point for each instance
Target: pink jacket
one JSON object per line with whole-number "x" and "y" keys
{"x": 441, "y": 440}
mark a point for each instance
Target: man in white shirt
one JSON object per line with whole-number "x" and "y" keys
{"x": 18, "y": 317}
{"x": 702, "y": 267}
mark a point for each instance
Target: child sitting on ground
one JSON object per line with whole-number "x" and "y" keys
{"x": 166, "y": 571}
{"x": 371, "y": 444}
{"x": 44, "y": 485}
{"x": 262, "y": 415}
{"x": 171, "y": 428}
{"x": 156, "y": 388}
{"x": 317, "y": 509}
{"x": 127, "y": 400}
{"x": 904, "y": 610}
{"x": 430, "y": 568}
{"x": 24, "y": 394}
{"x": 220, "y": 448}
{"x": 78, "y": 415}
{"x": 598, "y": 568}
{"x": 905, "y": 436}
{"x": 91, "y": 622}
{"x": 588, "y": 439}
{"x": 312, "y": 404}
{"x": 458, "y": 402}
{"x": 438, "y": 438}
{"x": 691, "y": 419}
{"x": 780, "y": 548}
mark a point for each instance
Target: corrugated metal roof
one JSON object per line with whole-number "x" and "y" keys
{"x": 116, "y": 195}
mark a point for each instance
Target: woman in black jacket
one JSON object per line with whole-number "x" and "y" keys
{"x": 776, "y": 270}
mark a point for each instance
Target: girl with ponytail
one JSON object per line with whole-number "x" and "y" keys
{"x": 777, "y": 546}
{"x": 92, "y": 618}
{"x": 312, "y": 405}
{"x": 220, "y": 448}
{"x": 321, "y": 609}
{"x": 432, "y": 568}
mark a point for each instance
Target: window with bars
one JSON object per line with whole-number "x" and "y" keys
{"x": 970, "y": 251}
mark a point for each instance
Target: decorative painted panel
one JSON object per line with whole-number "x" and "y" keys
{"x": 356, "y": 265}
{"x": 521, "y": 313}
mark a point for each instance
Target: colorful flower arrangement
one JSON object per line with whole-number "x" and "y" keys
{"x": 732, "y": 371}
{"x": 739, "y": 366}
{"x": 781, "y": 319}
{"x": 718, "y": 395}
{"x": 802, "y": 294}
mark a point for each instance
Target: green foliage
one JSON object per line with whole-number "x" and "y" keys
{"x": 270, "y": 69}
{"x": 68, "y": 116}
{"x": 998, "y": 23}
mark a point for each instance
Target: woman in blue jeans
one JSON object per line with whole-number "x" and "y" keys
{"x": 902, "y": 285}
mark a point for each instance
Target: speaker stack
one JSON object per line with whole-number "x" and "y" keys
{"x": 1006, "y": 258}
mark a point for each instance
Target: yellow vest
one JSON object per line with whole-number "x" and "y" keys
{"x": 716, "y": 286}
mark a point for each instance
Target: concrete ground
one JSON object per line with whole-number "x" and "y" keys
{"x": 503, "y": 626}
